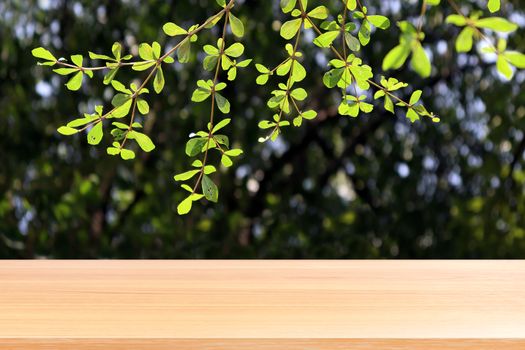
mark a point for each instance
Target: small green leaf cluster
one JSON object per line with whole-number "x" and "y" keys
{"x": 472, "y": 26}
{"x": 201, "y": 143}
{"x": 494, "y": 5}
{"x": 78, "y": 73}
{"x": 227, "y": 56}
{"x": 409, "y": 43}
{"x": 287, "y": 98}
{"x": 112, "y": 63}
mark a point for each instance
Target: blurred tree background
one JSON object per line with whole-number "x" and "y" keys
{"x": 372, "y": 187}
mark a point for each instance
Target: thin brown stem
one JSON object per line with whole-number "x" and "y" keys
{"x": 422, "y": 16}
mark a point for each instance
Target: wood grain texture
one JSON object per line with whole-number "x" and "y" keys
{"x": 305, "y": 305}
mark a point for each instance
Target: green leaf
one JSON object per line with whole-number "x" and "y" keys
{"x": 156, "y": 50}
{"x": 262, "y": 79}
{"x": 232, "y": 74}
{"x": 172, "y": 29}
{"x": 464, "y": 40}
{"x": 120, "y": 125}
{"x": 299, "y": 94}
{"x": 244, "y": 63}
{"x": 326, "y": 39}
{"x": 351, "y": 4}
{"x": 298, "y": 72}
{"x": 350, "y": 108}
{"x": 67, "y": 131}
{"x": 290, "y": 28}
{"x": 309, "y": 114}
{"x": 222, "y": 139}
{"x": 44, "y": 54}
{"x": 288, "y": 5}
{"x": 143, "y": 140}
{"x": 210, "y": 62}
{"x": 497, "y": 24}
{"x": 352, "y": 42}
{"x": 200, "y": 95}
{"x": 222, "y": 103}
{"x": 284, "y": 68}
{"x": 221, "y": 125}
{"x": 120, "y": 99}
{"x": 220, "y": 86}
{"x": 389, "y": 105}
{"x": 95, "y": 134}
{"x": 209, "y": 189}
{"x": 504, "y": 67}
{"x": 77, "y": 60}
{"x": 146, "y": 52}
{"x": 236, "y": 26}
{"x": 320, "y": 12}
{"x": 82, "y": 121}
{"x": 184, "y": 51}
{"x": 332, "y": 77}
{"x": 209, "y": 169}
{"x": 365, "y": 107}
{"x": 265, "y": 124}
{"x": 416, "y": 96}
{"x": 380, "y": 22}
{"x": 113, "y": 151}
{"x": 185, "y": 206}
{"x": 396, "y": 57}
{"x": 127, "y": 154}
{"x": 118, "y": 86}
{"x": 141, "y": 66}
{"x": 186, "y": 175}
{"x": 65, "y": 71}
{"x": 116, "y": 49}
{"x": 197, "y": 163}
{"x": 235, "y": 50}
{"x": 234, "y": 152}
{"x": 158, "y": 82}
{"x": 122, "y": 110}
{"x": 262, "y": 69}
{"x": 226, "y": 62}
{"x": 194, "y": 146}
{"x": 457, "y": 20}
{"x": 211, "y": 50}
{"x": 226, "y": 161}
{"x": 143, "y": 107}
{"x": 494, "y": 5}
{"x": 75, "y": 82}
{"x": 412, "y": 115}
{"x": 420, "y": 61}
{"x": 364, "y": 33}
{"x": 517, "y": 59}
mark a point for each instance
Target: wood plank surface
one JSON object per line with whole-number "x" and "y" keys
{"x": 253, "y": 304}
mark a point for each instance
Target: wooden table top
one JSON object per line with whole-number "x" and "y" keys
{"x": 254, "y": 304}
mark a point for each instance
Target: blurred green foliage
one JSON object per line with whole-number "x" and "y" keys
{"x": 338, "y": 187}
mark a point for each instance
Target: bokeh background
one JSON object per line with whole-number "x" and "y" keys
{"x": 372, "y": 187}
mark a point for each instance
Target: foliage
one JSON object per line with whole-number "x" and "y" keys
{"x": 348, "y": 71}
{"x": 168, "y": 118}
